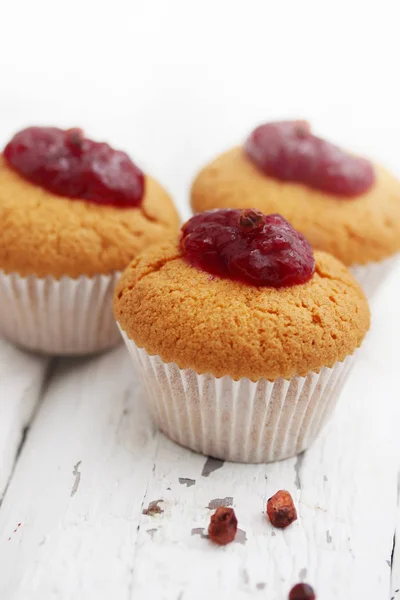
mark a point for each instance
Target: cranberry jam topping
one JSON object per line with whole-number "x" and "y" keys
{"x": 287, "y": 150}
{"x": 248, "y": 246}
{"x": 68, "y": 164}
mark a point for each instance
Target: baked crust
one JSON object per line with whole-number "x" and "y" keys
{"x": 44, "y": 234}
{"x": 224, "y": 327}
{"x": 357, "y": 231}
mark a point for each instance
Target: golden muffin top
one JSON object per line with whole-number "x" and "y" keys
{"x": 356, "y": 230}
{"x": 225, "y": 327}
{"x": 45, "y": 234}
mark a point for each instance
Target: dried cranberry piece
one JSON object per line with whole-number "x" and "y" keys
{"x": 288, "y": 150}
{"x": 281, "y": 510}
{"x": 248, "y": 246}
{"x": 68, "y": 164}
{"x": 302, "y": 591}
{"x": 251, "y": 219}
{"x": 223, "y": 526}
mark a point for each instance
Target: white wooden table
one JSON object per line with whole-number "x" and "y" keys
{"x": 96, "y": 504}
{"x": 175, "y": 83}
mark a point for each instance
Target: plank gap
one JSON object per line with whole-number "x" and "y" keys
{"x": 48, "y": 374}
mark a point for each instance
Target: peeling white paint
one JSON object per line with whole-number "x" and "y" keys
{"x": 92, "y": 436}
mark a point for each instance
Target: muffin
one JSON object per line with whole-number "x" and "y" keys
{"x": 73, "y": 213}
{"x": 342, "y": 203}
{"x": 242, "y": 336}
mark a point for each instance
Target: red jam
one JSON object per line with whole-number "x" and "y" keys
{"x": 248, "y": 246}
{"x": 287, "y": 150}
{"x": 68, "y": 164}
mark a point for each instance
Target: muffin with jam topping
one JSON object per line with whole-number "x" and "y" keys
{"x": 243, "y": 337}
{"x": 342, "y": 203}
{"x": 73, "y": 213}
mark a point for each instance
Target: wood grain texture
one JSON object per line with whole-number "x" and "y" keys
{"x": 22, "y": 376}
{"x": 80, "y": 483}
{"x": 395, "y": 557}
{"x": 109, "y": 508}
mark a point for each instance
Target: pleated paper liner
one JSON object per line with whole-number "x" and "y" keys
{"x": 372, "y": 276}
{"x": 243, "y": 421}
{"x": 60, "y": 317}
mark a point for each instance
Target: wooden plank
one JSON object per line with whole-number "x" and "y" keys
{"x": 92, "y": 464}
{"x": 22, "y": 376}
{"x": 78, "y": 487}
{"x": 395, "y": 557}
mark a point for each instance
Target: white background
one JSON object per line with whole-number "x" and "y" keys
{"x": 174, "y": 82}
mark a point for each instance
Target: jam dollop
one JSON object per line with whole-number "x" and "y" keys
{"x": 287, "y": 150}
{"x": 248, "y": 246}
{"x": 68, "y": 164}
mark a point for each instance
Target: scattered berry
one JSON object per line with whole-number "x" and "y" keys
{"x": 223, "y": 526}
{"x": 281, "y": 510}
{"x": 302, "y": 591}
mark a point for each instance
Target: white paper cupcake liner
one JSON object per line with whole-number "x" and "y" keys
{"x": 66, "y": 316}
{"x": 373, "y": 275}
{"x": 241, "y": 420}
